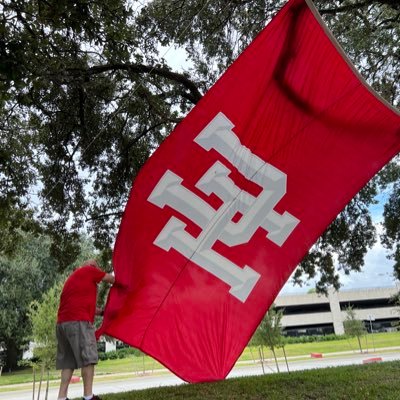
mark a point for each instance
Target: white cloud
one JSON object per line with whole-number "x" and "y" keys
{"x": 377, "y": 270}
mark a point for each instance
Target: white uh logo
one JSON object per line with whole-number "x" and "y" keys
{"x": 216, "y": 225}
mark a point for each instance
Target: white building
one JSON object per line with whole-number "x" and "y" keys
{"x": 311, "y": 313}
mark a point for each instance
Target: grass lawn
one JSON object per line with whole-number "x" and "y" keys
{"x": 139, "y": 364}
{"x": 368, "y": 342}
{"x": 362, "y": 382}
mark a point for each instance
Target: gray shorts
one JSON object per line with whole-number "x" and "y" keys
{"x": 76, "y": 345}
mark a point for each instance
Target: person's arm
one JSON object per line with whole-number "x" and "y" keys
{"x": 99, "y": 311}
{"x": 109, "y": 278}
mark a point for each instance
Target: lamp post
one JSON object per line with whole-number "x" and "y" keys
{"x": 371, "y": 318}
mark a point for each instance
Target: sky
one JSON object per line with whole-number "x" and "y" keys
{"x": 377, "y": 270}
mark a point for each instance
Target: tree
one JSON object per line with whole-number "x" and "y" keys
{"x": 391, "y": 236}
{"x": 269, "y": 332}
{"x": 87, "y": 95}
{"x": 353, "y": 326}
{"x": 43, "y": 317}
{"x": 23, "y": 278}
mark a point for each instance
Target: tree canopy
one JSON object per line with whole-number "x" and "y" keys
{"x": 87, "y": 94}
{"x": 23, "y": 278}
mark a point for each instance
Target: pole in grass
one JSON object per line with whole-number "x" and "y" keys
{"x": 371, "y": 318}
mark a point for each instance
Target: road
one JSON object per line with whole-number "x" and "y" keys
{"x": 138, "y": 382}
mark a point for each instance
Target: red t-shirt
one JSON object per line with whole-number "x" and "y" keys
{"x": 78, "y": 297}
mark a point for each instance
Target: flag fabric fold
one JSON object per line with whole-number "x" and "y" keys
{"x": 229, "y": 204}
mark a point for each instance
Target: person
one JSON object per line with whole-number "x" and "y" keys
{"x": 76, "y": 341}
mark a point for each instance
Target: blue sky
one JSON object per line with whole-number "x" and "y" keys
{"x": 377, "y": 270}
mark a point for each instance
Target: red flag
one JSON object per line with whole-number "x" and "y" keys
{"x": 230, "y": 203}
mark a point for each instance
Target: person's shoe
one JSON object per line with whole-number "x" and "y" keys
{"x": 93, "y": 398}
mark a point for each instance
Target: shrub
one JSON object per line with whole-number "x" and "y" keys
{"x": 120, "y": 353}
{"x": 314, "y": 338}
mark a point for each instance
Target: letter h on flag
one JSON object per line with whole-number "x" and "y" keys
{"x": 226, "y": 208}
{"x": 217, "y": 224}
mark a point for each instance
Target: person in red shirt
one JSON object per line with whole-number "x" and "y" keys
{"x": 76, "y": 341}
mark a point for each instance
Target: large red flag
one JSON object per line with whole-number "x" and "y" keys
{"x": 230, "y": 203}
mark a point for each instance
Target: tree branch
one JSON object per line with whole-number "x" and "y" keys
{"x": 193, "y": 95}
{"x": 149, "y": 129}
{"x": 385, "y": 23}
{"x": 391, "y": 3}
{"x": 348, "y": 7}
{"x": 102, "y": 216}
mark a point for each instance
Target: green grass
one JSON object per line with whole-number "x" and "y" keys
{"x": 369, "y": 342}
{"x": 134, "y": 364}
{"x": 129, "y": 364}
{"x": 373, "y": 381}
{"x": 22, "y": 376}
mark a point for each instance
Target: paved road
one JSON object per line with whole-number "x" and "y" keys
{"x": 138, "y": 382}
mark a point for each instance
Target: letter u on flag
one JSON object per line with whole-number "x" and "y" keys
{"x": 230, "y": 203}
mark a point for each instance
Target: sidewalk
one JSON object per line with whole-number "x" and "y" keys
{"x": 239, "y": 364}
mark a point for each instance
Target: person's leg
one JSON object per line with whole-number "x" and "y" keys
{"x": 66, "y": 375}
{"x": 89, "y": 356}
{"x": 87, "y": 376}
{"x": 64, "y": 360}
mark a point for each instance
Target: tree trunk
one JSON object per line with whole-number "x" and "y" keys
{"x": 34, "y": 381}
{"x": 13, "y": 354}
{"x": 284, "y": 353}
{"x": 276, "y": 360}
{"x": 262, "y": 352}
{"x": 359, "y": 343}
{"x": 47, "y": 385}
{"x": 40, "y": 382}
{"x": 262, "y": 360}
{"x": 252, "y": 355}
